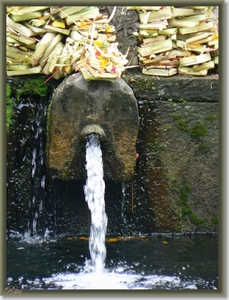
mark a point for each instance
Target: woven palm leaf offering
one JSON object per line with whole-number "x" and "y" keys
{"x": 177, "y": 40}
{"x": 57, "y": 41}
{"x": 102, "y": 61}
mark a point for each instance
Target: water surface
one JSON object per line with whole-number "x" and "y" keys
{"x": 161, "y": 262}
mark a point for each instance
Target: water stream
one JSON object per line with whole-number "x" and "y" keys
{"x": 94, "y": 195}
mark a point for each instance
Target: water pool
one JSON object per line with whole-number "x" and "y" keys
{"x": 153, "y": 262}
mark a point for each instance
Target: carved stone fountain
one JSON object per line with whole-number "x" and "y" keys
{"x": 79, "y": 108}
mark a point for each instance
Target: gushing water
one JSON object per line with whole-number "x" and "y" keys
{"x": 94, "y": 195}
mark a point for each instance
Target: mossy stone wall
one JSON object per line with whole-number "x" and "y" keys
{"x": 178, "y": 149}
{"x": 176, "y": 184}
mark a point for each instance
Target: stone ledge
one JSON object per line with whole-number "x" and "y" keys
{"x": 176, "y": 88}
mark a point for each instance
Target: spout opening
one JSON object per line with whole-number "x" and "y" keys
{"x": 93, "y": 129}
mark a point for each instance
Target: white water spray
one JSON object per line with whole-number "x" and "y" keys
{"x": 94, "y": 195}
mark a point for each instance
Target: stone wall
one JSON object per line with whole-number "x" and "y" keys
{"x": 178, "y": 148}
{"x": 176, "y": 182}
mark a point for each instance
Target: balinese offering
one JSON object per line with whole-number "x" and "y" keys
{"x": 57, "y": 41}
{"x": 173, "y": 40}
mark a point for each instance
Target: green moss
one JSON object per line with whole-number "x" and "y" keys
{"x": 186, "y": 210}
{"x": 9, "y": 107}
{"x": 174, "y": 181}
{"x": 215, "y": 220}
{"x": 183, "y": 124}
{"x": 184, "y": 199}
{"x": 144, "y": 84}
{"x": 168, "y": 127}
{"x": 157, "y": 146}
{"x": 35, "y": 86}
{"x": 195, "y": 220}
{"x": 203, "y": 149}
{"x": 198, "y": 131}
{"x": 211, "y": 117}
{"x": 176, "y": 116}
{"x": 184, "y": 192}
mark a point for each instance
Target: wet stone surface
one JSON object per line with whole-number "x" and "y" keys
{"x": 175, "y": 88}
{"x": 78, "y": 104}
{"x": 179, "y": 165}
{"x": 176, "y": 182}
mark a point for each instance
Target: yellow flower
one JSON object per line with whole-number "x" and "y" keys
{"x": 103, "y": 61}
{"x": 98, "y": 43}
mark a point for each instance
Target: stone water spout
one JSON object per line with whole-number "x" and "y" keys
{"x": 79, "y": 108}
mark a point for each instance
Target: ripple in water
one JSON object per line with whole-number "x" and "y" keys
{"x": 135, "y": 263}
{"x": 119, "y": 281}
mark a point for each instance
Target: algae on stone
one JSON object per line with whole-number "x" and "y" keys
{"x": 35, "y": 86}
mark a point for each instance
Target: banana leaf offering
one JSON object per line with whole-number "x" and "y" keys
{"x": 177, "y": 40}
{"x": 59, "y": 40}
